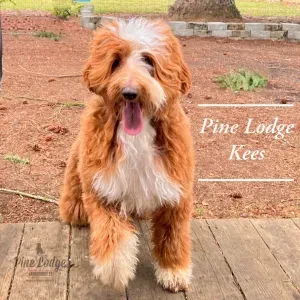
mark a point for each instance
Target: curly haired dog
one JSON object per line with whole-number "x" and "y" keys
{"x": 134, "y": 154}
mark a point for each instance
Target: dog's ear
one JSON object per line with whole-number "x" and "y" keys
{"x": 172, "y": 68}
{"x": 184, "y": 74}
{"x": 103, "y": 48}
{"x": 185, "y": 77}
{"x": 86, "y": 71}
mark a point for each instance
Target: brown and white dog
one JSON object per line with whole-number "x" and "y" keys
{"x": 134, "y": 154}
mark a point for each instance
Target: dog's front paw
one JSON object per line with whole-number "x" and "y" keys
{"x": 120, "y": 267}
{"x": 173, "y": 280}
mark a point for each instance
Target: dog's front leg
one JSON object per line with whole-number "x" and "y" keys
{"x": 171, "y": 246}
{"x": 113, "y": 243}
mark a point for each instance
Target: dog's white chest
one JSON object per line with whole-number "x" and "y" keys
{"x": 139, "y": 184}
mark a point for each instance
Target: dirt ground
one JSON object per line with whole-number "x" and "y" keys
{"x": 39, "y": 117}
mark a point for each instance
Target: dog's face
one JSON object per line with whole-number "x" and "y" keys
{"x": 138, "y": 69}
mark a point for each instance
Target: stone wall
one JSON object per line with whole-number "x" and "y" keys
{"x": 277, "y": 31}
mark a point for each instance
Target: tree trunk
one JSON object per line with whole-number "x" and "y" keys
{"x": 190, "y": 10}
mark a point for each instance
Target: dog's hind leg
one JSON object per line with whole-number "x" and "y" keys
{"x": 113, "y": 243}
{"x": 171, "y": 246}
{"x": 70, "y": 204}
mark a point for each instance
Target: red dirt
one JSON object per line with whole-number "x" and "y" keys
{"x": 39, "y": 120}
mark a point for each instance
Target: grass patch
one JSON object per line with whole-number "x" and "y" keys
{"x": 48, "y": 34}
{"x": 243, "y": 79}
{"x": 269, "y": 9}
{"x": 200, "y": 211}
{"x": 111, "y": 6}
{"x": 70, "y": 104}
{"x": 16, "y": 159}
{"x": 255, "y": 8}
{"x": 14, "y": 34}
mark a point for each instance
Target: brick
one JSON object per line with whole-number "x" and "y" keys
{"x": 183, "y": 32}
{"x": 291, "y": 27}
{"x": 241, "y": 33}
{"x": 87, "y": 8}
{"x": 273, "y": 26}
{"x": 89, "y": 25}
{"x": 255, "y": 26}
{"x": 87, "y": 14}
{"x": 216, "y": 26}
{"x": 295, "y": 35}
{"x": 278, "y": 34}
{"x": 222, "y": 33}
{"x": 202, "y": 33}
{"x": 198, "y": 25}
{"x": 90, "y": 19}
{"x": 260, "y": 34}
{"x": 178, "y": 25}
{"x": 235, "y": 26}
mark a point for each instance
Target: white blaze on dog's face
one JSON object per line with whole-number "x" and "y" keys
{"x": 137, "y": 68}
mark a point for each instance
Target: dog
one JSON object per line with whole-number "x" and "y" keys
{"x": 134, "y": 154}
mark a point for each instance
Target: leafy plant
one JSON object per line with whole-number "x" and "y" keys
{"x": 243, "y": 79}
{"x": 200, "y": 211}
{"x": 48, "y": 34}
{"x": 16, "y": 159}
{"x": 64, "y": 12}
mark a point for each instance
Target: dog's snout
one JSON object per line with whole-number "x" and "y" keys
{"x": 129, "y": 93}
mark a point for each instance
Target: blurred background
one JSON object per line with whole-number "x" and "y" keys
{"x": 248, "y": 8}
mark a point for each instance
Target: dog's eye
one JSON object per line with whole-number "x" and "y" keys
{"x": 115, "y": 64}
{"x": 148, "y": 60}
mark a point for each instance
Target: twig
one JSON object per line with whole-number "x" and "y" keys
{"x": 289, "y": 144}
{"x": 42, "y": 74}
{"x": 28, "y": 195}
{"x": 34, "y": 99}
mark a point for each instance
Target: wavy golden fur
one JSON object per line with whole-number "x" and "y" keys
{"x": 97, "y": 150}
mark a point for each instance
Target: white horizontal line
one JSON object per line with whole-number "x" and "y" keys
{"x": 246, "y": 105}
{"x": 245, "y": 180}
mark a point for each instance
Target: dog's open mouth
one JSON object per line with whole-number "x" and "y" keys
{"x": 132, "y": 118}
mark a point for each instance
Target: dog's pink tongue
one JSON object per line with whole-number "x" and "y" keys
{"x": 132, "y": 118}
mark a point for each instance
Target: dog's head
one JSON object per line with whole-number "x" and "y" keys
{"x": 138, "y": 69}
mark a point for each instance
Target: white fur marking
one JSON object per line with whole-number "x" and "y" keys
{"x": 173, "y": 280}
{"x": 141, "y": 31}
{"x": 139, "y": 184}
{"x": 121, "y": 266}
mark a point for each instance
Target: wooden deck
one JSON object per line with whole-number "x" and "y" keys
{"x": 233, "y": 259}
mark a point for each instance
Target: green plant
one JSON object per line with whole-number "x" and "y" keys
{"x": 61, "y": 12}
{"x": 242, "y": 79}
{"x": 15, "y": 34}
{"x": 200, "y": 211}
{"x": 64, "y": 12}
{"x": 16, "y": 159}
{"x": 72, "y": 104}
{"x": 48, "y": 34}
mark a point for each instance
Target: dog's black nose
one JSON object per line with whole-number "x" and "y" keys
{"x": 129, "y": 93}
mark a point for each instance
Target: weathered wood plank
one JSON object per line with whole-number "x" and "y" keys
{"x": 255, "y": 268}
{"x": 10, "y": 237}
{"x": 144, "y": 287}
{"x": 83, "y": 284}
{"x": 212, "y": 278}
{"x": 42, "y": 266}
{"x": 283, "y": 238}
